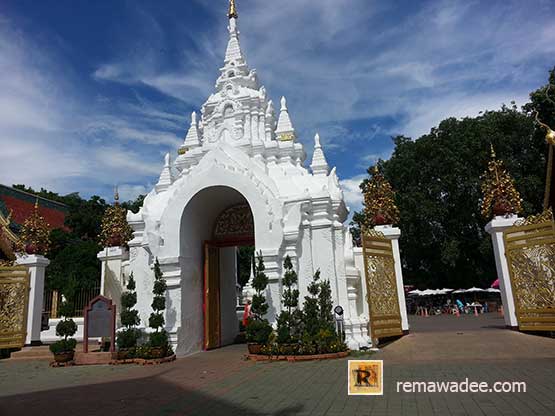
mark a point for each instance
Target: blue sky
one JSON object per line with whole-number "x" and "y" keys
{"x": 94, "y": 93}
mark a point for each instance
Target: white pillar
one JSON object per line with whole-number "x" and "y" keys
{"x": 112, "y": 281}
{"x": 37, "y": 266}
{"x": 495, "y": 228}
{"x": 393, "y": 234}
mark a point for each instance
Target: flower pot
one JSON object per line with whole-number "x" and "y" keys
{"x": 31, "y": 248}
{"x": 123, "y": 354}
{"x": 114, "y": 241}
{"x": 158, "y": 352}
{"x": 64, "y": 357}
{"x": 501, "y": 208}
{"x": 254, "y": 348}
{"x": 379, "y": 219}
{"x": 288, "y": 349}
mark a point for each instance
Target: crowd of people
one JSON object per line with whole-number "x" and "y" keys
{"x": 438, "y": 305}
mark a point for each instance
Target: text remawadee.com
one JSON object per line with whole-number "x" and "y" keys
{"x": 465, "y": 386}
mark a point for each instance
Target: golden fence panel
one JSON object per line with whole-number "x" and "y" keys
{"x": 14, "y": 299}
{"x": 381, "y": 286}
{"x": 530, "y": 252}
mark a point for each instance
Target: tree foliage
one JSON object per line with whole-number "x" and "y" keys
{"x": 437, "y": 184}
{"x": 74, "y": 266}
{"x": 72, "y": 253}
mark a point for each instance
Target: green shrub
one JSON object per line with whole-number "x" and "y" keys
{"x": 129, "y": 299}
{"x": 63, "y": 345}
{"x": 258, "y": 331}
{"x": 128, "y": 337}
{"x": 159, "y": 338}
{"x": 66, "y": 328}
{"x": 156, "y": 321}
{"x": 289, "y": 320}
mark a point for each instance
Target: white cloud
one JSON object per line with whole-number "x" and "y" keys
{"x": 129, "y": 192}
{"x": 336, "y": 61}
{"x": 352, "y": 193}
{"x": 426, "y": 115}
{"x": 51, "y": 137}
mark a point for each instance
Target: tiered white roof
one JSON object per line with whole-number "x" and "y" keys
{"x": 240, "y": 115}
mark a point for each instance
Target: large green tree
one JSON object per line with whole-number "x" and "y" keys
{"x": 74, "y": 264}
{"x": 437, "y": 184}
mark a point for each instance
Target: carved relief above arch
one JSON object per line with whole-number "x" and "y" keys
{"x": 235, "y": 224}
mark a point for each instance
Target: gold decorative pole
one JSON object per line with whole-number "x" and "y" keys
{"x": 549, "y": 197}
{"x": 550, "y": 140}
{"x": 232, "y": 13}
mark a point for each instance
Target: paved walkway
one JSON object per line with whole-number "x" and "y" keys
{"x": 221, "y": 383}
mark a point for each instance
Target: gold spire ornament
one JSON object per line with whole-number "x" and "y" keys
{"x": 550, "y": 140}
{"x": 500, "y": 196}
{"x": 232, "y": 13}
{"x": 379, "y": 200}
{"x": 115, "y": 230}
{"x": 35, "y": 234}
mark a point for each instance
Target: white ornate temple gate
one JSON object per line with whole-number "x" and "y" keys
{"x": 242, "y": 152}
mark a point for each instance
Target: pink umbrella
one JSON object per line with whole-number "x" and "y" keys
{"x": 495, "y": 284}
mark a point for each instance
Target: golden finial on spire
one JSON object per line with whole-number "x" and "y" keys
{"x": 232, "y": 10}
{"x": 116, "y": 194}
{"x": 492, "y": 152}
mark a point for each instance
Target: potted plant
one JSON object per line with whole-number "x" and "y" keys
{"x": 258, "y": 333}
{"x": 64, "y": 349}
{"x": 127, "y": 338}
{"x": 500, "y": 196}
{"x": 320, "y": 335}
{"x": 379, "y": 200}
{"x": 288, "y": 322}
{"x": 258, "y": 329}
{"x": 158, "y": 341}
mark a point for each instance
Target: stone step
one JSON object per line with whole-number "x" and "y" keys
{"x": 92, "y": 358}
{"x": 32, "y": 353}
{"x": 42, "y": 352}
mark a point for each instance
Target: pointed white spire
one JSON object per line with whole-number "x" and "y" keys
{"x": 285, "y": 130}
{"x": 166, "y": 177}
{"x": 233, "y": 51}
{"x": 192, "y": 139}
{"x": 319, "y": 163}
{"x": 270, "y": 121}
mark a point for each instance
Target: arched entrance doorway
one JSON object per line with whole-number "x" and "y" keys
{"x": 216, "y": 221}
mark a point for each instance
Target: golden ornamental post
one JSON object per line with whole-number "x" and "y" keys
{"x": 232, "y": 13}
{"x": 550, "y": 140}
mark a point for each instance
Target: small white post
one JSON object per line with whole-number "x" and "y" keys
{"x": 111, "y": 279}
{"x": 495, "y": 228}
{"x": 393, "y": 234}
{"x": 37, "y": 266}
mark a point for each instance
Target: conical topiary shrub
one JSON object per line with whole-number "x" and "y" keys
{"x": 127, "y": 338}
